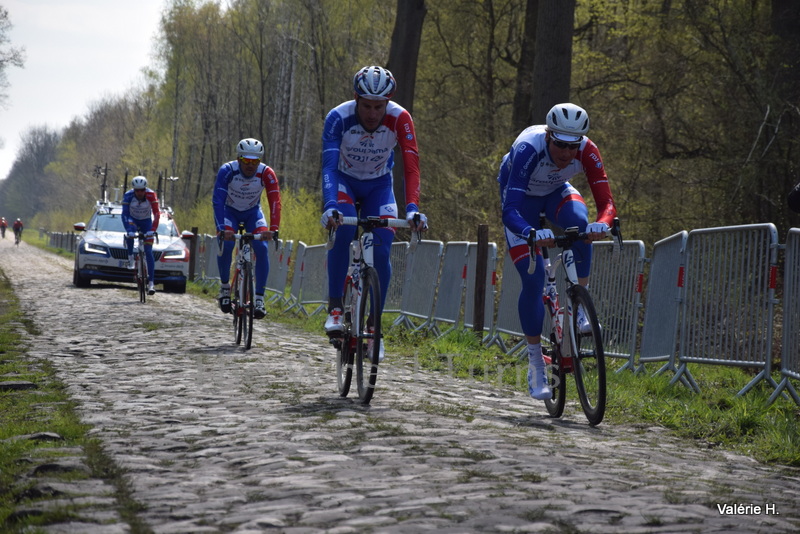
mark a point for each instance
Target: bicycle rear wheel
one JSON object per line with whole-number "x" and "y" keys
{"x": 345, "y": 346}
{"x": 588, "y": 358}
{"x": 250, "y": 306}
{"x": 557, "y": 375}
{"x": 368, "y": 346}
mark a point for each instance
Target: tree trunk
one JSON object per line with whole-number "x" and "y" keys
{"x": 552, "y": 68}
{"x": 523, "y": 96}
{"x": 403, "y": 56}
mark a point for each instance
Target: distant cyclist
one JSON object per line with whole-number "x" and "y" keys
{"x": 358, "y": 142}
{"x": 237, "y": 199}
{"x": 138, "y": 204}
{"x": 18, "y": 227}
{"x": 533, "y": 179}
{"x": 3, "y": 226}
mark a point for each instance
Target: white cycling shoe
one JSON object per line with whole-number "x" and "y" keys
{"x": 151, "y": 289}
{"x": 334, "y": 324}
{"x": 538, "y": 387}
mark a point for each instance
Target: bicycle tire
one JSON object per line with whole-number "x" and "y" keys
{"x": 141, "y": 277}
{"x": 344, "y": 348}
{"x": 557, "y": 375}
{"x": 588, "y": 358}
{"x": 236, "y": 308}
{"x": 368, "y": 344}
{"x": 250, "y": 306}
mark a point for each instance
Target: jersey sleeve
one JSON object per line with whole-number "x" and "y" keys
{"x": 270, "y": 181}
{"x": 126, "y": 210}
{"x": 598, "y": 182}
{"x": 407, "y": 141}
{"x": 517, "y": 187}
{"x": 219, "y": 196}
{"x": 332, "y": 135}
{"x": 154, "y": 207}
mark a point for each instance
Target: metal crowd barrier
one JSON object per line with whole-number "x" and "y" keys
{"x": 449, "y": 294}
{"x": 728, "y": 300}
{"x": 296, "y": 289}
{"x": 662, "y": 301}
{"x": 315, "y": 280}
{"x": 397, "y": 259}
{"x": 279, "y": 265}
{"x": 616, "y": 290}
{"x": 489, "y": 285}
{"x": 419, "y": 284}
{"x": 790, "y": 354}
{"x": 507, "y": 321}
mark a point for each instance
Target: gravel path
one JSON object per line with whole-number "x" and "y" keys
{"x": 215, "y": 439}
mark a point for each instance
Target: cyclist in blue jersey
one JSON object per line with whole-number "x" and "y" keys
{"x": 358, "y": 142}
{"x": 533, "y": 179}
{"x": 237, "y": 198}
{"x": 140, "y": 213}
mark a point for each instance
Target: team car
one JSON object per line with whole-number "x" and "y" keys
{"x": 102, "y": 254}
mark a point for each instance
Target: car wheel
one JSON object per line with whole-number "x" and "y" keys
{"x": 80, "y": 281}
{"x": 175, "y": 287}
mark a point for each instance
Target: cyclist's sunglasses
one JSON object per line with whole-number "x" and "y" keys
{"x": 562, "y": 144}
{"x": 250, "y": 161}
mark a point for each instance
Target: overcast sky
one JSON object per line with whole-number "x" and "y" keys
{"x": 77, "y": 52}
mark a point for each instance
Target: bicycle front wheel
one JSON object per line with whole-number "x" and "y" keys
{"x": 557, "y": 375}
{"x": 588, "y": 358}
{"x": 141, "y": 277}
{"x": 237, "y": 307}
{"x": 345, "y": 345}
{"x": 249, "y": 306}
{"x": 368, "y": 345}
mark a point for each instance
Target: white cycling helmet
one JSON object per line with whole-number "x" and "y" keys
{"x": 374, "y": 83}
{"x": 250, "y": 148}
{"x": 139, "y": 182}
{"x": 567, "y": 122}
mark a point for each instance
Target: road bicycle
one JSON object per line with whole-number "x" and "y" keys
{"x": 243, "y": 284}
{"x": 17, "y": 237}
{"x": 570, "y": 351}
{"x": 140, "y": 274}
{"x": 359, "y": 344}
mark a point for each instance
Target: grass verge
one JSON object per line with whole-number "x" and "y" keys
{"x": 38, "y": 423}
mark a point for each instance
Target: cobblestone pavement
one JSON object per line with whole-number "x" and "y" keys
{"x": 215, "y": 439}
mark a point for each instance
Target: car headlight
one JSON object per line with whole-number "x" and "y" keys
{"x": 174, "y": 254}
{"x": 93, "y": 248}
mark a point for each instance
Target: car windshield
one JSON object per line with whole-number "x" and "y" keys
{"x": 112, "y": 222}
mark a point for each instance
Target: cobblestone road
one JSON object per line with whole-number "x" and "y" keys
{"x": 214, "y": 439}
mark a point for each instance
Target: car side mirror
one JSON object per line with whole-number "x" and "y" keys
{"x": 186, "y": 234}
{"x": 80, "y": 226}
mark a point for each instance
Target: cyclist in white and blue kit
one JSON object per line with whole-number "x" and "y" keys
{"x": 138, "y": 204}
{"x": 237, "y": 199}
{"x": 358, "y": 142}
{"x": 533, "y": 179}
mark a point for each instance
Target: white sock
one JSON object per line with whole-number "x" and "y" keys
{"x": 535, "y": 358}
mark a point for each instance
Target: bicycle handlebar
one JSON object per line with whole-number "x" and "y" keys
{"x": 571, "y": 235}
{"x": 372, "y": 222}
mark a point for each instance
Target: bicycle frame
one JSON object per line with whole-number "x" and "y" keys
{"x": 362, "y": 307}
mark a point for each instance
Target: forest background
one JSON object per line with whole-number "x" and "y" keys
{"x": 694, "y": 105}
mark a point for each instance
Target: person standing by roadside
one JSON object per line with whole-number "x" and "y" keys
{"x": 138, "y": 204}
{"x": 237, "y": 199}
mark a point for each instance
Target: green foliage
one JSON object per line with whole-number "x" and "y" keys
{"x": 691, "y": 107}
